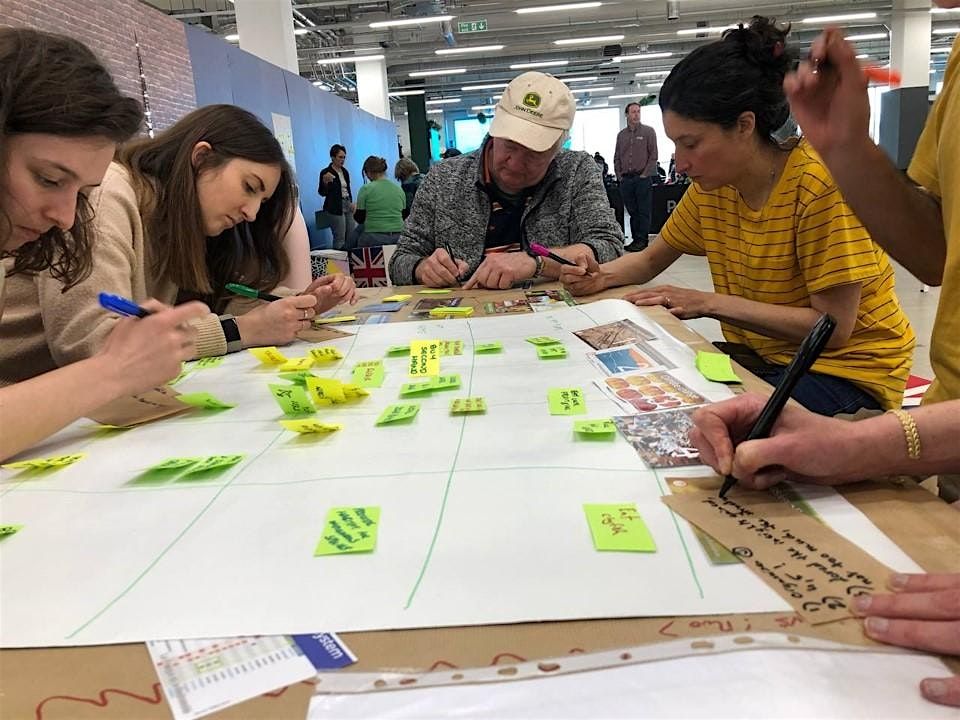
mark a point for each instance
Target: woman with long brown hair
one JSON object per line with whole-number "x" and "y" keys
{"x": 206, "y": 203}
{"x": 61, "y": 118}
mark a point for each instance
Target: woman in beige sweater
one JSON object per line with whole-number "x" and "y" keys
{"x": 61, "y": 117}
{"x": 177, "y": 217}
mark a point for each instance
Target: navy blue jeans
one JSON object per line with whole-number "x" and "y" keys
{"x": 637, "y": 194}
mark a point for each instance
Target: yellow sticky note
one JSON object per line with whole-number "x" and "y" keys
{"x": 397, "y": 298}
{"x": 326, "y": 354}
{"x": 452, "y": 312}
{"x": 292, "y": 399}
{"x": 268, "y": 355}
{"x": 594, "y": 427}
{"x": 297, "y": 363}
{"x": 310, "y": 426}
{"x": 44, "y": 463}
{"x": 463, "y": 406}
{"x": 209, "y": 362}
{"x": 434, "y": 291}
{"x": 8, "y": 530}
{"x": 204, "y": 401}
{"x": 424, "y": 358}
{"x": 331, "y": 320}
{"x": 325, "y": 389}
{"x": 716, "y": 367}
{"x": 566, "y": 401}
{"x": 349, "y": 530}
{"x": 396, "y": 413}
{"x": 618, "y": 527}
{"x": 352, "y": 391}
{"x": 451, "y": 347}
{"x": 551, "y": 352}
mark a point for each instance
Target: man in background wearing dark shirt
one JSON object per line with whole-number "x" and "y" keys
{"x": 635, "y": 162}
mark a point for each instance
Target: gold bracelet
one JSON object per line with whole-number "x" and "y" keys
{"x": 910, "y": 432}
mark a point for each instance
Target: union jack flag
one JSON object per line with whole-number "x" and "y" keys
{"x": 368, "y": 267}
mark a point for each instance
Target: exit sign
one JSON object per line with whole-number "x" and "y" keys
{"x": 472, "y": 26}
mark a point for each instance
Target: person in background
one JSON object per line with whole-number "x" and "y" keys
{"x": 604, "y": 168}
{"x": 338, "y": 196}
{"x": 635, "y": 164}
{"x": 782, "y": 244}
{"x": 207, "y": 202}
{"x": 408, "y": 175}
{"x": 475, "y": 217}
{"x": 381, "y": 206}
{"x": 450, "y": 152}
{"x": 61, "y": 119}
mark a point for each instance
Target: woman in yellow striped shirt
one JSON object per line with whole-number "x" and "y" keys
{"x": 782, "y": 245}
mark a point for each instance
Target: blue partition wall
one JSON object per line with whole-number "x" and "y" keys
{"x": 223, "y": 73}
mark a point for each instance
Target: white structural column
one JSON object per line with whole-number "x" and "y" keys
{"x": 372, "y": 87}
{"x": 910, "y": 41}
{"x": 266, "y": 30}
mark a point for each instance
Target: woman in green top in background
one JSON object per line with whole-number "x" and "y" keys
{"x": 381, "y": 206}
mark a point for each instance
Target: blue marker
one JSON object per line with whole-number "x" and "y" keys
{"x": 122, "y": 306}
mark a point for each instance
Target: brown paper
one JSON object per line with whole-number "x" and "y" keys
{"x": 321, "y": 334}
{"x": 809, "y": 565}
{"x": 158, "y": 403}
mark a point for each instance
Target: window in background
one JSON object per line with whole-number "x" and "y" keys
{"x": 875, "y": 93}
{"x": 596, "y": 131}
{"x": 468, "y": 134}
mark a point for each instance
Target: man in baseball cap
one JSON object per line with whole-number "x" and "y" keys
{"x": 476, "y": 215}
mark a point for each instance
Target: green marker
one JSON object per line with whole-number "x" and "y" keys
{"x": 238, "y": 289}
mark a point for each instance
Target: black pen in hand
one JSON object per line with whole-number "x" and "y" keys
{"x": 449, "y": 252}
{"x": 809, "y": 351}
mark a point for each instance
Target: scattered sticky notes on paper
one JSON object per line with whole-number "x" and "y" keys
{"x": 8, "y": 530}
{"x": 310, "y": 425}
{"x": 551, "y": 352}
{"x": 594, "y": 427}
{"x": 209, "y": 362}
{"x": 716, "y": 367}
{"x": 213, "y": 462}
{"x": 45, "y": 463}
{"x": 324, "y": 391}
{"x": 452, "y": 312}
{"x": 416, "y": 388}
{"x": 297, "y": 363}
{"x": 292, "y": 399}
{"x": 398, "y": 350}
{"x": 445, "y": 382}
{"x": 567, "y": 401}
{"x": 424, "y": 358}
{"x": 349, "y": 530}
{"x": 368, "y": 374}
{"x": 268, "y": 355}
{"x": 464, "y": 406}
{"x": 543, "y": 340}
{"x": 396, "y": 298}
{"x": 618, "y": 527}
{"x": 398, "y": 412}
{"x": 451, "y": 347}
{"x": 204, "y": 401}
{"x": 299, "y": 377}
{"x": 490, "y": 347}
{"x": 332, "y": 320}
{"x": 174, "y": 464}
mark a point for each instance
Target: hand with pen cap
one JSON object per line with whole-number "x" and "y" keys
{"x": 440, "y": 270}
{"x": 499, "y": 271}
{"x": 277, "y": 322}
{"x": 332, "y": 290}
{"x": 586, "y": 277}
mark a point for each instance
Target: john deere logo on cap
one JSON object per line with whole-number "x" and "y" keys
{"x": 531, "y": 100}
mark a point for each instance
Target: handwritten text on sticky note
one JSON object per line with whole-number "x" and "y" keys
{"x": 424, "y": 358}
{"x": 618, "y": 527}
{"x": 349, "y": 530}
{"x": 398, "y": 413}
{"x": 292, "y": 399}
{"x": 566, "y": 401}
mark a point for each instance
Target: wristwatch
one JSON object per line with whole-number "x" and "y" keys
{"x": 231, "y": 331}
{"x": 538, "y": 273}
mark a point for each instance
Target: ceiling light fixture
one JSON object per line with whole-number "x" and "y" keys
{"x": 544, "y": 63}
{"x": 552, "y": 8}
{"x": 482, "y": 107}
{"x": 443, "y": 101}
{"x": 412, "y": 21}
{"x": 642, "y": 56}
{"x": 605, "y": 88}
{"x": 401, "y": 93}
{"x": 706, "y": 30}
{"x": 940, "y": 50}
{"x": 431, "y": 73}
{"x": 579, "y": 78}
{"x": 434, "y": 112}
{"x": 233, "y": 37}
{"x": 652, "y": 73}
{"x": 473, "y": 49}
{"x": 826, "y": 19}
{"x": 867, "y": 36}
{"x": 946, "y": 31}
{"x": 486, "y": 86}
{"x": 589, "y": 40}
{"x": 351, "y": 59}
{"x": 620, "y": 97}
{"x": 300, "y": 31}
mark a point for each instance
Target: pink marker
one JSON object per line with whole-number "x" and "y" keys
{"x": 538, "y": 249}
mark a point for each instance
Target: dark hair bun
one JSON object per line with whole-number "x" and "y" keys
{"x": 764, "y": 43}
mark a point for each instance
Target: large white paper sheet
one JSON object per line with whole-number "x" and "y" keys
{"x": 481, "y": 516}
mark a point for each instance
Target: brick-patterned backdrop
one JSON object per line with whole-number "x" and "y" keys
{"x": 107, "y": 27}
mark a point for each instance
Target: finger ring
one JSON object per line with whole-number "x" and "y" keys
{"x": 666, "y": 301}
{"x": 305, "y": 314}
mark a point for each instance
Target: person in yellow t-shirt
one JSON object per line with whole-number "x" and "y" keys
{"x": 782, "y": 244}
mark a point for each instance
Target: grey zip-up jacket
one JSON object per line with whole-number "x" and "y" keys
{"x": 452, "y": 209}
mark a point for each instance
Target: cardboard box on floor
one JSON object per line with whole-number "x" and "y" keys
{"x": 119, "y": 681}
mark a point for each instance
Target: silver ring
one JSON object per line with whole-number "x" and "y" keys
{"x": 666, "y": 301}
{"x": 306, "y": 315}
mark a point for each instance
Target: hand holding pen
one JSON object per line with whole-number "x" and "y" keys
{"x": 441, "y": 269}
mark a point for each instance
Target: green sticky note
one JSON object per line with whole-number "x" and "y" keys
{"x": 183, "y": 373}
{"x": 566, "y": 401}
{"x": 434, "y": 291}
{"x": 45, "y": 463}
{"x": 298, "y": 377}
{"x": 174, "y": 464}
{"x": 397, "y": 413}
{"x": 209, "y": 362}
{"x": 368, "y": 374}
{"x": 594, "y": 427}
{"x": 416, "y": 388}
{"x": 619, "y": 527}
{"x": 8, "y": 530}
{"x": 542, "y": 340}
{"x": 398, "y": 350}
{"x": 445, "y": 382}
{"x": 205, "y": 401}
{"x": 464, "y": 406}
{"x": 551, "y": 352}
{"x": 490, "y": 347}
{"x": 451, "y": 347}
{"x": 292, "y": 399}
{"x": 716, "y": 367}
{"x": 349, "y": 530}
{"x": 212, "y": 462}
